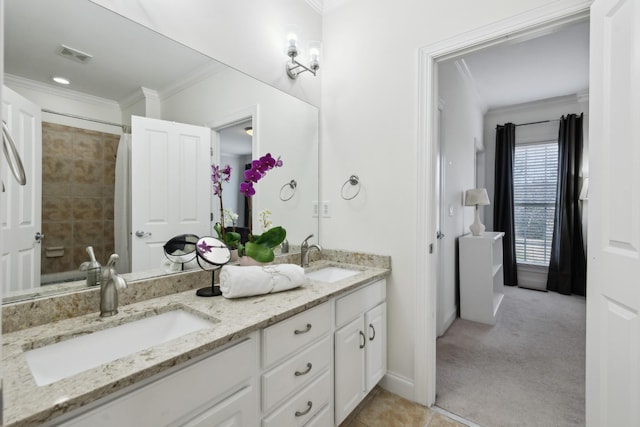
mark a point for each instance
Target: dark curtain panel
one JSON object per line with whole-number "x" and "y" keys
{"x": 568, "y": 262}
{"x": 503, "y": 219}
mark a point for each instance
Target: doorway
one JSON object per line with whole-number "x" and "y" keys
{"x": 537, "y": 22}
{"x": 472, "y": 358}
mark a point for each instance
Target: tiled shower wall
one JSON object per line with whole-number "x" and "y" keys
{"x": 78, "y": 175}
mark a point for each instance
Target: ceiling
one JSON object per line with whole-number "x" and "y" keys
{"x": 548, "y": 66}
{"x": 125, "y": 56}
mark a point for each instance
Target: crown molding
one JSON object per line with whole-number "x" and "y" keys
{"x": 11, "y": 79}
{"x": 566, "y": 99}
{"x": 470, "y": 82}
{"x": 191, "y": 78}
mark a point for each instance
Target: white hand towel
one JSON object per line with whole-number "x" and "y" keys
{"x": 238, "y": 281}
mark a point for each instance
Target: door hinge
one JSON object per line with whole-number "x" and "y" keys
{"x": 211, "y": 216}
{"x": 430, "y": 248}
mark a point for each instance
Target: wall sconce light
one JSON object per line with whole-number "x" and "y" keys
{"x": 295, "y": 68}
{"x": 249, "y": 130}
{"x": 476, "y": 197}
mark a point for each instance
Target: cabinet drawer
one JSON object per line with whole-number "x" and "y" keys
{"x": 351, "y": 306}
{"x": 301, "y": 408}
{"x": 323, "y": 419}
{"x": 282, "y": 380}
{"x": 291, "y": 334}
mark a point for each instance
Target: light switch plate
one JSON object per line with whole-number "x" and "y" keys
{"x": 326, "y": 209}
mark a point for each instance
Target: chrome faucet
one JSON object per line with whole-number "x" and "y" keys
{"x": 305, "y": 247}
{"x": 109, "y": 285}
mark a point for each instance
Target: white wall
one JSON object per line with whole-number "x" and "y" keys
{"x": 462, "y": 127}
{"x": 249, "y": 35}
{"x": 285, "y": 126}
{"x": 369, "y": 127}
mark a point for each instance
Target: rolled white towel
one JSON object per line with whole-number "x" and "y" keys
{"x": 238, "y": 281}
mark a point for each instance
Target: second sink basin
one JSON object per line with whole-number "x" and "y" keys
{"x": 61, "y": 360}
{"x": 331, "y": 274}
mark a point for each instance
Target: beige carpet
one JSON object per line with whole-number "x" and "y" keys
{"x": 527, "y": 370}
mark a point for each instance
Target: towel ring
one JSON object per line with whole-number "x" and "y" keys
{"x": 353, "y": 180}
{"x": 291, "y": 184}
{"x": 13, "y": 158}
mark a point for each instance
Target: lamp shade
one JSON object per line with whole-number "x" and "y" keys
{"x": 476, "y": 196}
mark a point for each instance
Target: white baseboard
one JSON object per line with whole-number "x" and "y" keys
{"x": 448, "y": 321}
{"x": 398, "y": 384}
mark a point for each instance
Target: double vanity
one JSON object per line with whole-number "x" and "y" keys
{"x": 306, "y": 356}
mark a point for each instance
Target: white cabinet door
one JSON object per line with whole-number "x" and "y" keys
{"x": 170, "y": 186}
{"x": 349, "y": 368}
{"x": 376, "y": 347}
{"x": 613, "y": 294}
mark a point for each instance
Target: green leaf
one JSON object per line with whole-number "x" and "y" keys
{"x": 271, "y": 238}
{"x": 218, "y": 230}
{"x": 259, "y": 252}
{"x": 232, "y": 239}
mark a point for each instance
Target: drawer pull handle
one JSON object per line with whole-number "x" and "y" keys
{"x": 364, "y": 339}
{"x": 298, "y": 332}
{"x": 309, "y": 366}
{"x": 309, "y": 405}
{"x": 371, "y": 338}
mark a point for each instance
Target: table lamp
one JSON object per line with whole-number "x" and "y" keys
{"x": 476, "y": 197}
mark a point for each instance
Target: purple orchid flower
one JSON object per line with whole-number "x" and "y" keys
{"x": 247, "y": 189}
{"x": 258, "y": 170}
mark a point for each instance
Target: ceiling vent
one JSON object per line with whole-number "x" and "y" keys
{"x": 74, "y": 54}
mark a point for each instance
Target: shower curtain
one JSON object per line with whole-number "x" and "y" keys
{"x": 122, "y": 204}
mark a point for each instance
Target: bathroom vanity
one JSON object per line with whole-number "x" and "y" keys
{"x": 301, "y": 357}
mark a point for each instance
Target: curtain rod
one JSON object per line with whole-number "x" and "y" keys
{"x": 535, "y": 123}
{"x": 74, "y": 116}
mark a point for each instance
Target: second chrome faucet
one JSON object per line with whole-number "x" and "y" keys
{"x": 110, "y": 284}
{"x": 305, "y": 247}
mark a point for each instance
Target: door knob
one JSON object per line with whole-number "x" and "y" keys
{"x": 439, "y": 235}
{"x": 39, "y": 236}
{"x": 140, "y": 233}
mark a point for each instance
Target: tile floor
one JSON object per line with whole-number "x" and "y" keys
{"x": 384, "y": 409}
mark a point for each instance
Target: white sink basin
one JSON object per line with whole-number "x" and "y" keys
{"x": 331, "y": 274}
{"x": 61, "y": 360}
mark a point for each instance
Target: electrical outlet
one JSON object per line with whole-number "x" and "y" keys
{"x": 315, "y": 208}
{"x": 326, "y": 209}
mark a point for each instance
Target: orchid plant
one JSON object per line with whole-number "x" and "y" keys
{"x": 218, "y": 176}
{"x": 260, "y": 247}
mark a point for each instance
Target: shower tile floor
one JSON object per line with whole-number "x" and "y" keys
{"x": 384, "y": 409}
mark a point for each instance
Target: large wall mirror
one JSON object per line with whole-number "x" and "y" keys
{"x": 118, "y": 69}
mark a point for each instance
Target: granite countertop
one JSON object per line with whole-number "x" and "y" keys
{"x": 25, "y": 403}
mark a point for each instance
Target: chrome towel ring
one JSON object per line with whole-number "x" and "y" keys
{"x": 12, "y": 155}
{"x": 291, "y": 184}
{"x": 353, "y": 180}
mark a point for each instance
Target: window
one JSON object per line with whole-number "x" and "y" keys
{"x": 535, "y": 177}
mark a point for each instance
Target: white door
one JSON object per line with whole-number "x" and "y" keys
{"x": 613, "y": 281}
{"x": 170, "y": 186}
{"x": 22, "y": 205}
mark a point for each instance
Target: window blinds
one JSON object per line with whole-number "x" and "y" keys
{"x": 535, "y": 177}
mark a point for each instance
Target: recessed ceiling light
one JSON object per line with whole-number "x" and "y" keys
{"x": 61, "y": 80}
